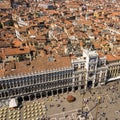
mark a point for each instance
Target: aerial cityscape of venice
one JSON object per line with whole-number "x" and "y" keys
{"x": 59, "y": 59}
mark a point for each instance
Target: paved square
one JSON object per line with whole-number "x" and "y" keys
{"x": 58, "y": 108}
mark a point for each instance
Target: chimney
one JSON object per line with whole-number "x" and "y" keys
{"x": 13, "y": 66}
{"x": 3, "y": 51}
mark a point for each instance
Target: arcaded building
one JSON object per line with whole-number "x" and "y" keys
{"x": 42, "y": 77}
{"x": 51, "y": 75}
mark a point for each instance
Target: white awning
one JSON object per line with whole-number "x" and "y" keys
{"x": 13, "y": 103}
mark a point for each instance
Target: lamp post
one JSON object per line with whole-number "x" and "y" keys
{"x": 83, "y": 94}
{"x": 98, "y": 103}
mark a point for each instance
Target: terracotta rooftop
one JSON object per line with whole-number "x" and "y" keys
{"x": 5, "y": 4}
{"x": 17, "y": 43}
{"x": 40, "y": 64}
{"x": 89, "y": 24}
{"x": 110, "y": 57}
{"x": 14, "y": 51}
